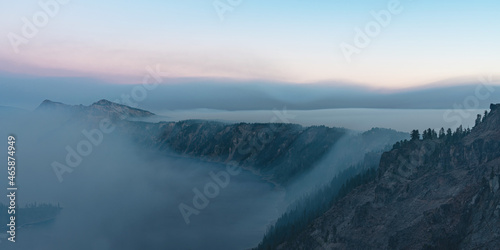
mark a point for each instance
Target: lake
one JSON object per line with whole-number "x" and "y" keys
{"x": 357, "y": 119}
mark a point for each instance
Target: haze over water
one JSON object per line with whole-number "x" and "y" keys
{"x": 403, "y": 120}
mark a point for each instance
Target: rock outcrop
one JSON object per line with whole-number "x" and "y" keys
{"x": 432, "y": 194}
{"x": 97, "y": 109}
{"x": 279, "y": 152}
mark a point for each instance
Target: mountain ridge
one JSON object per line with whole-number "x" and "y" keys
{"x": 102, "y": 107}
{"x": 279, "y": 152}
{"x": 256, "y": 95}
{"x": 428, "y": 194}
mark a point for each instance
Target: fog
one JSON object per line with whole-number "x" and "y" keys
{"x": 355, "y": 119}
{"x": 124, "y": 196}
{"x": 223, "y": 94}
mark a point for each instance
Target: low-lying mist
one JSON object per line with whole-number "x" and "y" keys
{"x": 125, "y": 196}
{"x": 123, "y": 193}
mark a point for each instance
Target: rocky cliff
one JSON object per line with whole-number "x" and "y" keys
{"x": 279, "y": 152}
{"x": 432, "y": 194}
{"x": 98, "y": 109}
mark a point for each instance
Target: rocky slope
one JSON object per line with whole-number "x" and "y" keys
{"x": 279, "y": 152}
{"x": 97, "y": 109}
{"x": 432, "y": 194}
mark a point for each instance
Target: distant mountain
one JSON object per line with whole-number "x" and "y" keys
{"x": 100, "y": 108}
{"x": 48, "y": 105}
{"x": 107, "y": 107}
{"x": 438, "y": 193}
{"x": 279, "y": 152}
{"x": 226, "y": 94}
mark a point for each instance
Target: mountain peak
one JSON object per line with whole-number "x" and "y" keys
{"x": 47, "y": 101}
{"x": 105, "y": 106}
{"x": 102, "y": 107}
{"x": 48, "y": 104}
{"x": 494, "y": 106}
{"x": 104, "y": 102}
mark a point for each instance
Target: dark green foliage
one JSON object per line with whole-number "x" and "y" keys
{"x": 441, "y": 133}
{"x": 429, "y": 134}
{"x": 478, "y": 120}
{"x": 307, "y": 209}
{"x": 448, "y": 137}
{"x": 415, "y": 135}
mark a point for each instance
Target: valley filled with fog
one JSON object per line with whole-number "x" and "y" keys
{"x": 127, "y": 194}
{"x": 122, "y": 196}
{"x": 255, "y": 125}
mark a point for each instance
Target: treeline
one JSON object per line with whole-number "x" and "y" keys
{"x": 447, "y": 136}
{"x": 303, "y": 212}
{"x": 307, "y": 209}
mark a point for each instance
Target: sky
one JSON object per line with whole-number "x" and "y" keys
{"x": 407, "y": 43}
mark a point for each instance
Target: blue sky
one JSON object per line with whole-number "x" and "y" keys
{"x": 289, "y": 41}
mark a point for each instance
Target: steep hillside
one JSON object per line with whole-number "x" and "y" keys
{"x": 279, "y": 152}
{"x": 97, "y": 109}
{"x": 431, "y": 194}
